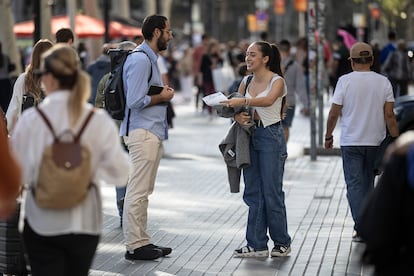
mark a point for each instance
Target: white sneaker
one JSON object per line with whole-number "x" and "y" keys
{"x": 247, "y": 251}
{"x": 280, "y": 251}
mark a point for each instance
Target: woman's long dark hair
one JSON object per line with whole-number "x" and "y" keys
{"x": 271, "y": 51}
{"x": 274, "y": 63}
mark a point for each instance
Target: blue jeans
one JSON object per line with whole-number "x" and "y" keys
{"x": 263, "y": 191}
{"x": 358, "y": 163}
{"x": 121, "y": 191}
{"x": 120, "y": 196}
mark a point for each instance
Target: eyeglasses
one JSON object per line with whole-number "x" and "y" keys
{"x": 170, "y": 32}
{"x": 40, "y": 72}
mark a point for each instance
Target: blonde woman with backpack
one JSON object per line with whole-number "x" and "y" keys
{"x": 64, "y": 241}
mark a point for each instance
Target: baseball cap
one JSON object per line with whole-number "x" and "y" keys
{"x": 361, "y": 50}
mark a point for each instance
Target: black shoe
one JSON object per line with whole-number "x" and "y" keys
{"x": 165, "y": 250}
{"x": 144, "y": 253}
{"x": 356, "y": 237}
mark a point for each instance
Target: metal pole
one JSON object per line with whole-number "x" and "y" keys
{"x": 321, "y": 67}
{"x": 190, "y": 3}
{"x": 158, "y": 6}
{"x": 312, "y": 25}
{"x": 106, "y": 21}
{"x": 71, "y": 11}
{"x": 37, "y": 21}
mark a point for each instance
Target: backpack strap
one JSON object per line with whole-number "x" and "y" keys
{"x": 288, "y": 65}
{"x": 48, "y": 124}
{"x": 249, "y": 79}
{"x": 149, "y": 79}
{"x": 142, "y": 51}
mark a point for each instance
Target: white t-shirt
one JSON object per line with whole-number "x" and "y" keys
{"x": 161, "y": 65}
{"x": 362, "y": 96}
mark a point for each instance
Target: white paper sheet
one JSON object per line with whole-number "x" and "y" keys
{"x": 214, "y": 99}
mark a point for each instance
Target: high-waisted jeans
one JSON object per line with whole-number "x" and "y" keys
{"x": 264, "y": 188}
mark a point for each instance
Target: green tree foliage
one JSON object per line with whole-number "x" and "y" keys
{"x": 393, "y": 10}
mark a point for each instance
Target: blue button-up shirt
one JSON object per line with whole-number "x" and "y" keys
{"x": 136, "y": 72}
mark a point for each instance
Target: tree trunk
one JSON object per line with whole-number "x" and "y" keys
{"x": 150, "y": 7}
{"x": 71, "y": 8}
{"x": 94, "y": 44}
{"x": 46, "y": 16}
{"x": 121, "y": 8}
{"x": 166, "y": 8}
{"x": 7, "y": 37}
{"x": 409, "y": 34}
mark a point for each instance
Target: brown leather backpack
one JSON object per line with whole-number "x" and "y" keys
{"x": 65, "y": 170}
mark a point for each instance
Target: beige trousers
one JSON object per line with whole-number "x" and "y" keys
{"x": 145, "y": 152}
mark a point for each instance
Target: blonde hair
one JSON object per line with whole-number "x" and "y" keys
{"x": 63, "y": 63}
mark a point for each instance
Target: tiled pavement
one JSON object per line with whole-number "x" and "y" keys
{"x": 193, "y": 211}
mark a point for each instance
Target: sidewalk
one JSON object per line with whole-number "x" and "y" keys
{"x": 193, "y": 211}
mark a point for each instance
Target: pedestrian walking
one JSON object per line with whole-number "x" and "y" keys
{"x": 198, "y": 53}
{"x": 397, "y": 67}
{"x": 100, "y": 102}
{"x": 64, "y": 241}
{"x": 211, "y": 60}
{"x": 185, "y": 69}
{"x": 390, "y": 47}
{"x": 340, "y": 63}
{"x": 98, "y": 68}
{"x": 365, "y": 102}
{"x": 65, "y": 35}
{"x": 295, "y": 82}
{"x": 27, "y": 90}
{"x": 144, "y": 128}
{"x": 263, "y": 179}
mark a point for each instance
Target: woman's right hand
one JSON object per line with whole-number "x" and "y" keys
{"x": 242, "y": 118}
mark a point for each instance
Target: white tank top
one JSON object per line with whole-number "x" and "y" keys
{"x": 269, "y": 115}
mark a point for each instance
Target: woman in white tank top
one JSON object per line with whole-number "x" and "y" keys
{"x": 264, "y": 177}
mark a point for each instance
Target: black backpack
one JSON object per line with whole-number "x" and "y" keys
{"x": 114, "y": 94}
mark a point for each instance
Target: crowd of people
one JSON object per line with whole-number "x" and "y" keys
{"x": 272, "y": 78}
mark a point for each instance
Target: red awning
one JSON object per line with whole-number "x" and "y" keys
{"x": 86, "y": 26}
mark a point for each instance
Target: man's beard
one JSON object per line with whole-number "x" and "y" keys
{"x": 161, "y": 44}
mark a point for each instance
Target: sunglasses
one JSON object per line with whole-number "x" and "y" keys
{"x": 40, "y": 72}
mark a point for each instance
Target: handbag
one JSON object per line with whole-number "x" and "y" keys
{"x": 28, "y": 101}
{"x": 12, "y": 258}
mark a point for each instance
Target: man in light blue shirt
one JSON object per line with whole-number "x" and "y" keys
{"x": 144, "y": 127}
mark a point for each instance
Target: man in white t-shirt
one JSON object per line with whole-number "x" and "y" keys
{"x": 365, "y": 102}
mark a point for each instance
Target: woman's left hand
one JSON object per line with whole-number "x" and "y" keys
{"x": 233, "y": 102}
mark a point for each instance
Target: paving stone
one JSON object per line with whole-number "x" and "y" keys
{"x": 192, "y": 211}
